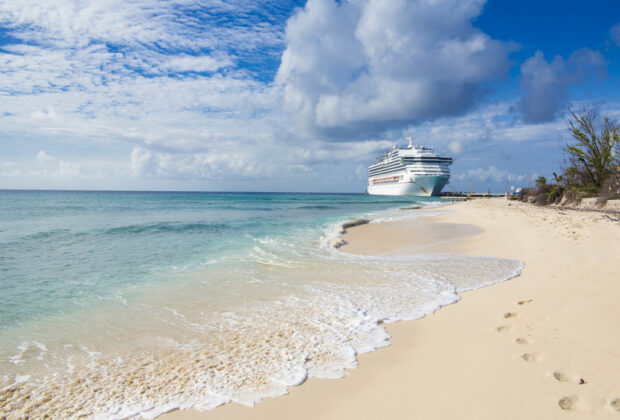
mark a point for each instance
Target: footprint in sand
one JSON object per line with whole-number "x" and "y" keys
{"x": 615, "y": 404}
{"x": 560, "y": 376}
{"x": 522, "y": 341}
{"x": 502, "y": 328}
{"x": 524, "y": 302}
{"x": 568, "y": 403}
{"x": 529, "y": 357}
{"x": 510, "y": 314}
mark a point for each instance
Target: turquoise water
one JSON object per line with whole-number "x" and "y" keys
{"x": 117, "y": 304}
{"x": 62, "y": 249}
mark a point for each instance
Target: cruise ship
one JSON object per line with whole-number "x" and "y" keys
{"x": 414, "y": 170}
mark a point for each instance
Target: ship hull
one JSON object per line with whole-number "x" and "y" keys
{"x": 421, "y": 186}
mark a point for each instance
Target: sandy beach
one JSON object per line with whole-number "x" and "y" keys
{"x": 543, "y": 345}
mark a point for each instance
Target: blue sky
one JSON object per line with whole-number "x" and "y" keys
{"x": 293, "y": 95}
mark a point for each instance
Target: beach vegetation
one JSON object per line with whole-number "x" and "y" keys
{"x": 556, "y": 194}
{"x": 544, "y": 193}
{"x": 557, "y": 191}
{"x": 541, "y": 194}
{"x": 592, "y": 162}
{"x": 593, "y": 156}
{"x": 611, "y": 186}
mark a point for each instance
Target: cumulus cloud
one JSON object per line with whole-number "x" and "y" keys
{"x": 546, "y": 84}
{"x": 374, "y": 64}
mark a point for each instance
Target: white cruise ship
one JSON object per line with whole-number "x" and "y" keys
{"x": 415, "y": 170}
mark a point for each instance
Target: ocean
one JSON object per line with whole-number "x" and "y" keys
{"x": 120, "y": 304}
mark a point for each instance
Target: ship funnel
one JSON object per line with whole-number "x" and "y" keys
{"x": 410, "y": 142}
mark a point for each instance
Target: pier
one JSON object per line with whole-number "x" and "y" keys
{"x": 468, "y": 195}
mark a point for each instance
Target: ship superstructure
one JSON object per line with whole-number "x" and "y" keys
{"x": 414, "y": 170}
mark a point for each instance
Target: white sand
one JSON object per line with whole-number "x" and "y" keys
{"x": 515, "y": 350}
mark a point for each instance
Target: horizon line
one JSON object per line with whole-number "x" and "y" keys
{"x": 205, "y": 191}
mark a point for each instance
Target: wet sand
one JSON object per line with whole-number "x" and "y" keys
{"x": 414, "y": 236}
{"x": 544, "y": 345}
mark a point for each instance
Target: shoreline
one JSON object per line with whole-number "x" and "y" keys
{"x": 545, "y": 337}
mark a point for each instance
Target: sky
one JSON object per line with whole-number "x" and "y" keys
{"x": 299, "y": 96}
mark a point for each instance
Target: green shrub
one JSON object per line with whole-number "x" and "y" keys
{"x": 541, "y": 180}
{"x": 542, "y": 194}
{"x": 555, "y": 195}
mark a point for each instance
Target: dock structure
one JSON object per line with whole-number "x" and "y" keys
{"x": 468, "y": 195}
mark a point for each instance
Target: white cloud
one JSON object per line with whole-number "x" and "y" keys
{"x": 42, "y": 156}
{"x": 23, "y": 173}
{"x": 546, "y": 84}
{"x": 141, "y": 161}
{"x": 175, "y": 24}
{"x": 370, "y": 63}
{"x": 253, "y": 160}
{"x": 492, "y": 125}
{"x": 63, "y": 170}
{"x": 456, "y": 147}
{"x": 166, "y": 92}
{"x": 185, "y": 63}
{"x": 68, "y": 170}
{"x": 490, "y": 174}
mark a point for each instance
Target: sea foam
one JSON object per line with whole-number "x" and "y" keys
{"x": 328, "y": 309}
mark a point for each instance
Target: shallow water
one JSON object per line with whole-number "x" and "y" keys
{"x": 123, "y": 304}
